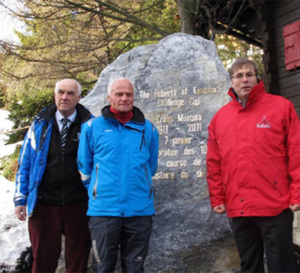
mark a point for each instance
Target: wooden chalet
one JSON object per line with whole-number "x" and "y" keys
{"x": 274, "y": 25}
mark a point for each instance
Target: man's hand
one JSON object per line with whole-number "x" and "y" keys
{"x": 220, "y": 209}
{"x": 295, "y": 207}
{"x": 20, "y": 211}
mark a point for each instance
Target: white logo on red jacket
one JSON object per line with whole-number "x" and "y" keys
{"x": 264, "y": 124}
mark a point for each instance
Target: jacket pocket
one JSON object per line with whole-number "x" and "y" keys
{"x": 96, "y": 182}
{"x": 275, "y": 175}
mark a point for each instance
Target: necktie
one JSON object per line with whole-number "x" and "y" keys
{"x": 63, "y": 132}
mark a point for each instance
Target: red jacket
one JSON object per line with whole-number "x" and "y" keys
{"x": 253, "y": 158}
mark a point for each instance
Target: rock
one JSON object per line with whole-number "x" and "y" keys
{"x": 180, "y": 83}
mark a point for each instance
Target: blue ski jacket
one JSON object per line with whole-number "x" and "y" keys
{"x": 34, "y": 154}
{"x": 116, "y": 162}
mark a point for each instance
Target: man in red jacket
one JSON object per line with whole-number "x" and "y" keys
{"x": 253, "y": 170}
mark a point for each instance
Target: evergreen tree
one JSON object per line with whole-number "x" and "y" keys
{"x": 78, "y": 39}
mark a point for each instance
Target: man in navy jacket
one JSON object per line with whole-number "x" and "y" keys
{"x": 49, "y": 185}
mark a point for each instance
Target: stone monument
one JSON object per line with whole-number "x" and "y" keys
{"x": 180, "y": 83}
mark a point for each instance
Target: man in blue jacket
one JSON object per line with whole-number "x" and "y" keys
{"x": 49, "y": 185}
{"x": 117, "y": 157}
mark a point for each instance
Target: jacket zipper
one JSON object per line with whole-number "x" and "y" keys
{"x": 43, "y": 138}
{"x": 149, "y": 184}
{"x": 96, "y": 183}
{"x": 143, "y": 140}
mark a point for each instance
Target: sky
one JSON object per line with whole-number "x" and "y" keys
{"x": 9, "y": 22}
{"x": 13, "y": 233}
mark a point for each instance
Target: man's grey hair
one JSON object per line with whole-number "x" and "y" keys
{"x": 58, "y": 83}
{"x": 109, "y": 87}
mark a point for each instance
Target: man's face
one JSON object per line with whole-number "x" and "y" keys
{"x": 243, "y": 81}
{"x": 121, "y": 96}
{"x": 66, "y": 97}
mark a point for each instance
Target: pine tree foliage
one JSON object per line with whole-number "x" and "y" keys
{"x": 230, "y": 48}
{"x": 74, "y": 39}
{"x": 79, "y": 38}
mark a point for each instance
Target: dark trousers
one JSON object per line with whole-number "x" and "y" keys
{"x": 130, "y": 234}
{"x": 46, "y": 227}
{"x": 272, "y": 235}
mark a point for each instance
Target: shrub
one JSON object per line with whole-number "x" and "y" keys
{"x": 24, "y": 263}
{"x": 9, "y": 164}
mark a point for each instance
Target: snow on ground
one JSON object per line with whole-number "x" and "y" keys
{"x": 13, "y": 233}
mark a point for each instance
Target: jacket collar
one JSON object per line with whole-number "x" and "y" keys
{"x": 257, "y": 91}
{"x": 48, "y": 113}
{"x": 138, "y": 116}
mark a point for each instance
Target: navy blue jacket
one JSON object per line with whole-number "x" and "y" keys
{"x": 44, "y": 171}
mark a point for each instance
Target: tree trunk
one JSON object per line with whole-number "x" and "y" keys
{"x": 189, "y": 11}
{"x": 187, "y": 16}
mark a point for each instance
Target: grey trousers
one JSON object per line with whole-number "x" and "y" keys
{"x": 130, "y": 235}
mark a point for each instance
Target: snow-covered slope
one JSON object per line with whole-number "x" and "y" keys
{"x": 13, "y": 233}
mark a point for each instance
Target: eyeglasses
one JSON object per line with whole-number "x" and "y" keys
{"x": 241, "y": 76}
